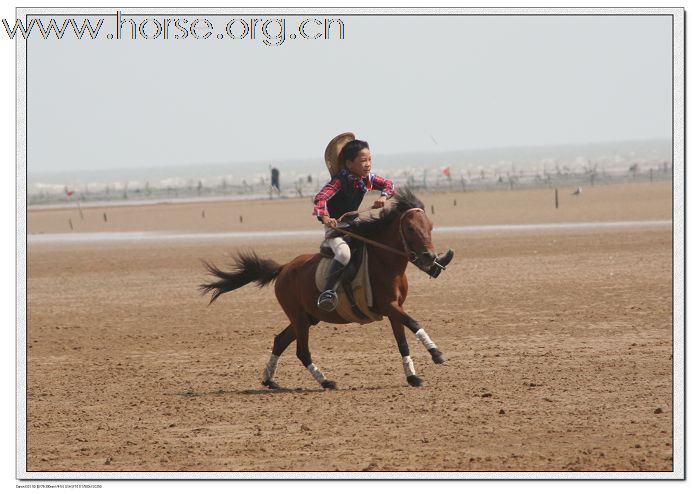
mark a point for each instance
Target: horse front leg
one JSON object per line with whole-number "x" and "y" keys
{"x": 416, "y": 328}
{"x": 400, "y": 336}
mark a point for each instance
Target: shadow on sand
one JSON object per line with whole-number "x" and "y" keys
{"x": 253, "y": 392}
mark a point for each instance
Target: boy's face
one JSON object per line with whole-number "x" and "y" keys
{"x": 361, "y": 165}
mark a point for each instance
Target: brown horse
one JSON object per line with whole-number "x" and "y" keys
{"x": 404, "y": 228}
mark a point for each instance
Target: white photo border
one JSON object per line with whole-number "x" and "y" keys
{"x": 679, "y": 226}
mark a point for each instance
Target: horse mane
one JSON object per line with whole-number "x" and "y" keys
{"x": 403, "y": 200}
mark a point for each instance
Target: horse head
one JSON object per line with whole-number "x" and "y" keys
{"x": 415, "y": 229}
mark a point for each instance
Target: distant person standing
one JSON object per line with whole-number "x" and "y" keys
{"x": 275, "y": 179}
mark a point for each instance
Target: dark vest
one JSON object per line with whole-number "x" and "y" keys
{"x": 346, "y": 199}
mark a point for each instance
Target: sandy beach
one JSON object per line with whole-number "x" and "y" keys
{"x": 558, "y": 340}
{"x": 610, "y": 203}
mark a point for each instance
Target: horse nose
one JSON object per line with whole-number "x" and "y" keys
{"x": 428, "y": 258}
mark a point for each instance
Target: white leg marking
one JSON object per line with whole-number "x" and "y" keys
{"x": 425, "y": 339}
{"x": 408, "y": 368}
{"x": 270, "y": 368}
{"x": 316, "y": 372}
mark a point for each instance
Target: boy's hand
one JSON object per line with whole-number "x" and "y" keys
{"x": 379, "y": 203}
{"x": 328, "y": 221}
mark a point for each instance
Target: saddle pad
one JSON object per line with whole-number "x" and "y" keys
{"x": 361, "y": 289}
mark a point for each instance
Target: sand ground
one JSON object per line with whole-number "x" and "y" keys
{"x": 559, "y": 346}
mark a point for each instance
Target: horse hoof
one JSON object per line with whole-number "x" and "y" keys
{"x": 271, "y": 384}
{"x": 437, "y": 355}
{"x": 328, "y": 384}
{"x": 415, "y": 381}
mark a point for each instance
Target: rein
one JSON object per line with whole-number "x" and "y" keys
{"x": 405, "y": 253}
{"x": 369, "y": 241}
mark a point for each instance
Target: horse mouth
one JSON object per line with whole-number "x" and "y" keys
{"x": 425, "y": 260}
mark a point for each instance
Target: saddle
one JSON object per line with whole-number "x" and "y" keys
{"x": 355, "y": 291}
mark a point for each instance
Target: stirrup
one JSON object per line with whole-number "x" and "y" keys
{"x": 327, "y": 301}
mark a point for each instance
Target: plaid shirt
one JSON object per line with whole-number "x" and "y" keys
{"x": 360, "y": 184}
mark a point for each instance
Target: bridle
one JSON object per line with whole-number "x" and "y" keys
{"x": 408, "y": 252}
{"x": 412, "y": 256}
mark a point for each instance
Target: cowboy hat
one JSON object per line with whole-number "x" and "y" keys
{"x": 333, "y": 151}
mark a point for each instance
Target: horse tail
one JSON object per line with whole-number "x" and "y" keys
{"x": 248, "y": 268}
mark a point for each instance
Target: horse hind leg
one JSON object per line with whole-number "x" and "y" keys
{"x": 302, "y": 333}
{"x": 280, "y": 344}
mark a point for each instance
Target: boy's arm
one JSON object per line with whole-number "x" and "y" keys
{"x": 387, "y": 188}
{"x": 383, "y": 184}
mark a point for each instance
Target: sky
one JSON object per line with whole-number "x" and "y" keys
{"x": 403, "y": 83}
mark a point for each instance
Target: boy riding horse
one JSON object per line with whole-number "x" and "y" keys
{"x": 349, "y": 162}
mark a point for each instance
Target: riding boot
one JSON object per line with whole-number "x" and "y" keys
{"x": 328, "y": 300}
{"x": 441, "y": 263}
